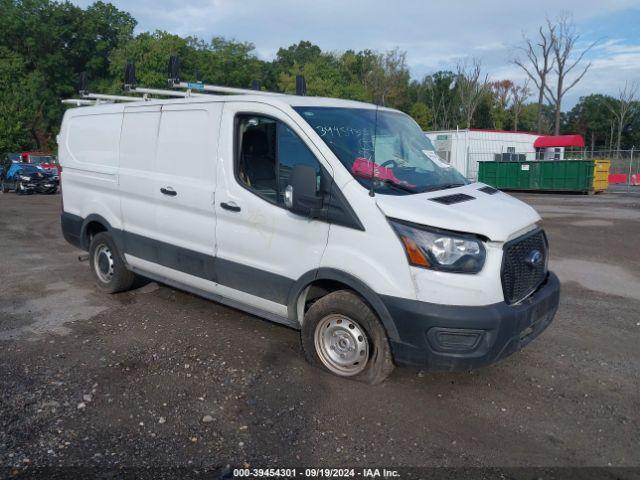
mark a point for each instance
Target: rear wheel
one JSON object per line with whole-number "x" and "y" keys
{"x": 109, "y": 269}
{"x": 341, "y": 334}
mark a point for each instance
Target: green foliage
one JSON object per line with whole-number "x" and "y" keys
{"x": 422, "y": 115}
{"x": 591, "y": 118}
{"x": 439, "y": 92}
{"x": 45, "y": 44}
{"x": 44, "y": 47}
{"x": 150, "y": 53}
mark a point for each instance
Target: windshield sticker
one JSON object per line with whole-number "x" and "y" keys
{"x": 433, "y": 156}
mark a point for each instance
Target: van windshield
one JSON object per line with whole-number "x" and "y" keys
{"x": 388, "y": 148}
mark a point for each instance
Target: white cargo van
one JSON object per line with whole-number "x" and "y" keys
{"x": 333, "y": 217}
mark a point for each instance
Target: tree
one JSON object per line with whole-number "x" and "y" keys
{"x": 50, "y": 43}
{"x": 20, "y": 103}
{"x": 226, "y": 62}
{"x": 300, "y": 54}
{"x": 539, "y": 64}
{"x": 564, "y": 39}
{"x": 387, "y": 78}
{"x": 591, "y": 117}
{"x": 501, "y": 96}
{"x": 438, "y": 92}
{"x": 519, "y": 95}
{"x": 623, "y": 108}
{"x": 421, "y": 114}
{"x": 471, "y": 87}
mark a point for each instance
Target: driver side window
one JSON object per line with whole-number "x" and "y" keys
{"x": 266, "y": 153}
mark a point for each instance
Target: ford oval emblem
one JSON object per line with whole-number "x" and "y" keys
{"x": 534, "y": 258}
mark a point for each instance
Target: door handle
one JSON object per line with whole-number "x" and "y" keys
{"x": 168, "y": 191}
{"x": 231, "y": 206}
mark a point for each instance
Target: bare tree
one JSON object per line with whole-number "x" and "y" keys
{"x": 539, "y": 63}
{"x": 519, "y": 95}
{"x": 471, "y": 87}
{"x": 502, "y": 90}
{"x": 564, "y": 39}
{"x": 387, "y": 76}
{"x": 623, "y": 108}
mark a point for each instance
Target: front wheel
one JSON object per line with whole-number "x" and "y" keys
{"x": 341, "y": 334}
{"x": 109, "y": 269}
{"x": 3, "y": 187}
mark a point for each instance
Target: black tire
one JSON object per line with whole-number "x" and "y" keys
{"x": 340, "y": 304}
{"x": 19, "y": 188}
{"x": 107, "y": 266}
{"x": 3, "y": 187}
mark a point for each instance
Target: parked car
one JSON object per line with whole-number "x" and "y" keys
{"x": 27, "y": 178}
{"x": 46, "y": 161}
{"x": 333, "y": 217}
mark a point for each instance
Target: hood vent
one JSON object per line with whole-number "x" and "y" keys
{"x": 451, "y": 199}
{"x": 489, "y": 190}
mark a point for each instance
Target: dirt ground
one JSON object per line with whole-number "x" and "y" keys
{"x": 160, "y": 378}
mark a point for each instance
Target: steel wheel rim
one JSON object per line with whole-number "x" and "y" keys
{"x": 342, "y": 345}
{"x": 103, "y": 263}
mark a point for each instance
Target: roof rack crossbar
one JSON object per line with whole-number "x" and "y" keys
{"x": 216, "y": 88}
{"x": 115, "y": 98}
{"x": 79, "y": 102}
{"x": 168, "y": 93}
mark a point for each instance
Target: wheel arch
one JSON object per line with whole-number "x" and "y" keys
{"x": 331, "y": 279}
{"x": 94, "y": 224}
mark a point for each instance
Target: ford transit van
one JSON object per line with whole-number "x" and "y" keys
{"x": 336, "y": 218}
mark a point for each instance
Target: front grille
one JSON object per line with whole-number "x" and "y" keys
{"x": 521, "y": 273}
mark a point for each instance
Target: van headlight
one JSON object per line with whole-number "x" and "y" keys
{"x": 440, "y": 249}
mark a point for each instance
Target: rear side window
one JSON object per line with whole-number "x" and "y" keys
{"x": 267, "y": 151}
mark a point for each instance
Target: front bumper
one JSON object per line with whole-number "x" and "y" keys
{"x": 444, "y": 337}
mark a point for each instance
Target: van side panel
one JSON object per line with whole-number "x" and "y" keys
{"x": 88, "y": 153}
{"x": 138, "y": 144}
{"x": 186, "y": 163}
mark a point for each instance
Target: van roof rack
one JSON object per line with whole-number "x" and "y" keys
{"x": 191, "y": 89}
{"x": 79, "y": 102}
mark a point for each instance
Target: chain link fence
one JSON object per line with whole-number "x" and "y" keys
{"x": 624, "y": 173}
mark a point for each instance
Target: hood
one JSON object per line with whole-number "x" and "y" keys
{"x": 496, "y": 216}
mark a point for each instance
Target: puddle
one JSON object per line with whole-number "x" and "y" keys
{"x": 61, "y": 303}
{"x": 592, "y": 223}
{"x": 599, "y": 277}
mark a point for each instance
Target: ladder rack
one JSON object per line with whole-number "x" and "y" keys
{"x": 191, "y": 89}
{"x": 190, "y": 86}
{"x": 79, "y": 102}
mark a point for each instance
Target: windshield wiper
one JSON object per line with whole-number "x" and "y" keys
{"x": 399, "y": 186}
{"x": 443, "y": 187}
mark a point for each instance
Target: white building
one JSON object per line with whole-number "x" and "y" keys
{"x": 465, "y": 148}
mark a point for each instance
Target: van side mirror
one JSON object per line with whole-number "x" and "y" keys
{"x": 300, "y": 195}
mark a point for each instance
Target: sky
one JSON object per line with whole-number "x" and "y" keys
{"x": 435, "y": 34}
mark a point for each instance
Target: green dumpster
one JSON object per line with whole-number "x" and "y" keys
{"x": 554, "y": 175}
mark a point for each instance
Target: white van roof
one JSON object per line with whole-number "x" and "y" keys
{"x": 291, "y": 100}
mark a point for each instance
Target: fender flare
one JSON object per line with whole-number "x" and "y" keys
{"x": 354, "y": 283}
{"x": 94, "y": 217}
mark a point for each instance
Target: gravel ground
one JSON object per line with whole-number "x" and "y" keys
{"x": 160, "y": 378}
